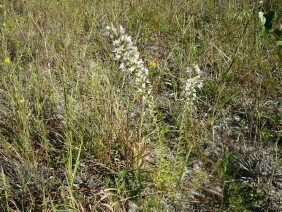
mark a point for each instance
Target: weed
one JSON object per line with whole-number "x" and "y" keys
{"x": 175, "y": 106}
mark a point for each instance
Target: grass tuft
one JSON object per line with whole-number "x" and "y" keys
{"x": 139, "y": 106}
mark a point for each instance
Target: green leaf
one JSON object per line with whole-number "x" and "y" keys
{"x": 270, "y": 17}
{"x": 264, "y": 32}
{"x": 121, "y": 174}
{"x": 278, "y": 33}
{"x": 279, "y": 43}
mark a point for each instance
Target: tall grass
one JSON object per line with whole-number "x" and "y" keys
{"x": 181, "y": 113}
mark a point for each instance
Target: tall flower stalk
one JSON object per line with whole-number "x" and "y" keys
{"x": 130, "y": 63}
{"x": 194, "y": 82}
{"x": 135, "y": 73}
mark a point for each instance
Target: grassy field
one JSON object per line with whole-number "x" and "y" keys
{"x": 139, "y": 106}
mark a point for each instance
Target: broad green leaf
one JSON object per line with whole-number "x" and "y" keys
{"x": 278, "y": 33}
{"x": 270, "y": 17}
{"x": 264, "y": 32}
{"x": 279, "y": 43}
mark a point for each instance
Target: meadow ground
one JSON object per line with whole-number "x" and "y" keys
{"x": 177, "y": 110}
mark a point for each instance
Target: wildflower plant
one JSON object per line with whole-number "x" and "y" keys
{"x": 136, "y": 76}
{"x": 7, "y": 60}
{"x": 135, "y": 72}
{"x": 194, "y": 82}
{"x": 130, "y": 63}
{"x": 152, "y": 64}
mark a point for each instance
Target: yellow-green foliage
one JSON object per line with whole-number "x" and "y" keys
{"x": 85, "y": 125}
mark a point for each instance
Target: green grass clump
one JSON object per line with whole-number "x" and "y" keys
{"x": 177, "y": 110}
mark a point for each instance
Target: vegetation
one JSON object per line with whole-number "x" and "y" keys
{"x": 140, "y": 105}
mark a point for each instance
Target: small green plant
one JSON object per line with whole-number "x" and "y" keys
{"x": 268, "y": 19}
{"x": 240, "y": 197}
{"x": 228, "y": 166}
